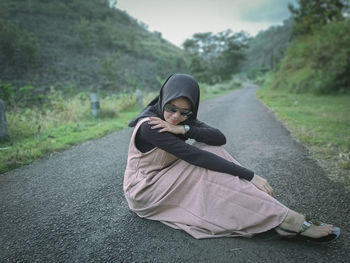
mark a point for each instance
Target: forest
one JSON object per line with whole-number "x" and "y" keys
{"x": 89, "y": 45}
{"x": 85, "y": 44}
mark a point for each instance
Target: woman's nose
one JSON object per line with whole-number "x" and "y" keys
{"x": 177, "y": 114}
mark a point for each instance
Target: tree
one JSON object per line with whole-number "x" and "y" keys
{"x": 112, "y": 3}
{"x": 231, "y": 52}
{"x": 267, "y": 48}
{"x": 314, "y": 13}
{"x": 216, "y": 57}
{"x": 18, "y": 47}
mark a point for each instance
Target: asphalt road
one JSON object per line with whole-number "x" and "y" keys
{"x": 69, "y": 207}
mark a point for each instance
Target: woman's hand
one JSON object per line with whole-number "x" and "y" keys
{"x": 158, "y": 123}
{"x": 262, "y": 184}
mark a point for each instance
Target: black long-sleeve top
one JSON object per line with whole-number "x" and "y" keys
{"x": 148, "y": 138}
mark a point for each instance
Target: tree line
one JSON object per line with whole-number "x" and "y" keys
{"x": 91, "y": 44}
{"x": 215, "y": 57}
{"x": 300, "y": 48}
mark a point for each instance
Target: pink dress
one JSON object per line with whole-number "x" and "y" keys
{"x": 202, "y": 202}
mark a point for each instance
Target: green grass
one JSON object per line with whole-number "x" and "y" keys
{"x": 26, "y": 150}
{"x": 65, "y": 123}
{"x": 210, "y": 91}
{"x": 322, "y": 123}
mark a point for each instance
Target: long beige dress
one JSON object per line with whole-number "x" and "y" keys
{"x": 202, "y": 202}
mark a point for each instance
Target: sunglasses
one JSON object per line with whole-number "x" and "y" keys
{"x": 172, "y": 109}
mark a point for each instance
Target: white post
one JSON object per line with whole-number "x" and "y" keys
{"x": 95, "y": 104}
{"x": 4, "y": 133}
{"x": 139, "y": 98}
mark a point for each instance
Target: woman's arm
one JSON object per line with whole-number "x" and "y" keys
{"x": 169, "y": 142}
{"x": 199, "y": 131}
{"x": 202, "y": 132}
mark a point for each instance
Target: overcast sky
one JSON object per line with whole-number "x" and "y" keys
{"x": 178, "y": 20}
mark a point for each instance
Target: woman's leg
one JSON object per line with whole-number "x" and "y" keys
{"x": 294, "y": 221}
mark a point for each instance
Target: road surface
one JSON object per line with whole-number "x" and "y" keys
{"x": 69, "y": 206}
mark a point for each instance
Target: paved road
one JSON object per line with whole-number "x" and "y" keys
{"x": 69, "y": 207}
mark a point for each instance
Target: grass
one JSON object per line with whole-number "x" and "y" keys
{"x": 321, "y": 123}
{"x": 210, "y": 91}
{"x": 26, "y": 150}
{"x": 66, "y": 122}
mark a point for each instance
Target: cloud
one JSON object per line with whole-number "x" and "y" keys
{"x": 272, "y": 11}
{"x": 180, "y": 19}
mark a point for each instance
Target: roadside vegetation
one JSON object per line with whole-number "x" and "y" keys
{"x": 53, "y": 54}
{"x": 321, "y": 123}
{"x": 317, "y": 62}
{"x": 310, "y": 89}
{"x": 41, "y": 125}
{"x": 81, "y": 43}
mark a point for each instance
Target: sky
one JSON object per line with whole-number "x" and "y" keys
{"x": 178, "y": 20}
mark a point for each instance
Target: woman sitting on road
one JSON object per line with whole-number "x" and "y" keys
{"x": 200, "y": 188}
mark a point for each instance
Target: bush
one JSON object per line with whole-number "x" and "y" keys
{"x": 78, "y": 41}
{"x": 7, "y": 91}
{"x": 100, "y": 33}
{"x": 218, "y": 88}
{"x": 319, "y": 63}
{"x": 255, "y": 73}
{"x": 18, "y": 47}
{"x": 19, "y": 97}
{"x": 110, "y": 68}
{"x": 85, "y": 35}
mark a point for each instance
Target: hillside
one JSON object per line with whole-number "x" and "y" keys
{"x": 317, "y": 62}
{"x": 83, "y": 44}
{"x": 267, "y": 48}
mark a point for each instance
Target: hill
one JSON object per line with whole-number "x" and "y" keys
{"x": 83, "y": 44}
{"x": 267, "y": 48}
{"x": 318, "y": 62}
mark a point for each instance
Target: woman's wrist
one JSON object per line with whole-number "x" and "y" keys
{"x": 182, "y": 129}
{"x": 186, "y": 128}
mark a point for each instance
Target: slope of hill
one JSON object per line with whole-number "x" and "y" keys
{"x": 318, "y": 62}
{"x": 82, "y": 44}
{"x": 267, "y": 48}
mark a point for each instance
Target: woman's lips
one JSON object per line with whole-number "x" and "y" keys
{"x": 173, "y": 121}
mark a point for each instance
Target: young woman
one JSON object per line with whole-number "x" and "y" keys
{"x": 200, "y": 188}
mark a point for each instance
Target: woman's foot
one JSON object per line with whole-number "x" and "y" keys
{"x": 296, "y": 224}
{"x": 313, "y": 231}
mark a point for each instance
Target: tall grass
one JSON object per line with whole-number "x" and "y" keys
{"x": 319, "y": 62}
{"x": 208, "y": 91}
{"x": 320, "y": 122}
{"x": 60, "y": 122}
{"x": 58, "y": 110}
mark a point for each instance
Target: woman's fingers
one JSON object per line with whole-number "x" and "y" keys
{"x": 262, "y": 184}
{"x": 159, "y": 124}
{"x": 269, "y": 190}
{"x": 163, "y": 126}
{"x": 156, "y": 123}
{"x": 154, "y": 118}
{"x": 156, "y": 127}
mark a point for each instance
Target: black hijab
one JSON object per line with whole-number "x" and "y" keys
{"x": 176, "y": 86}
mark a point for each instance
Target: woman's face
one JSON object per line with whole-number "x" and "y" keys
{"x": 175, "y": 117}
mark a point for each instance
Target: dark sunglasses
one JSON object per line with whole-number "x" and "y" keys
{"x": 172, "y": 108}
